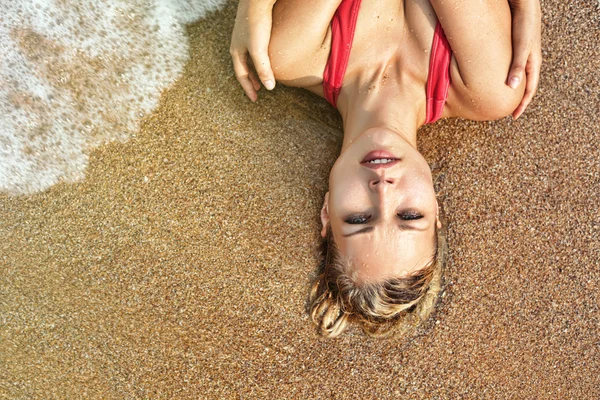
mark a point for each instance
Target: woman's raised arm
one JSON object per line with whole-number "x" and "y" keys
{"x": 527, "y": 49}
{"x": 479, "y": 33}
{"x": 250, "y": 44}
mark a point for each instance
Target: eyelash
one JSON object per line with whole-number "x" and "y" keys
{"x": 359, "y": 219}
{"x": 410, "y": 216}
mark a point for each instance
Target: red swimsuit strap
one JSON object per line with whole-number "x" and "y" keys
{"x": 438, "y": 80}
{"x": 343, "y": 26}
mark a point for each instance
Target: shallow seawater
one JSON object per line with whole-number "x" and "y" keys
{"x": 76, "y": 75}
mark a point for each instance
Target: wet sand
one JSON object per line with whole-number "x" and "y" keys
{"x": 179, "y": 267}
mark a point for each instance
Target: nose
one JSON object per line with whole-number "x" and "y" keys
{"x": 381, "y": 183}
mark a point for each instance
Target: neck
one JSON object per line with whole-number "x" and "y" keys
{"x": 375, "y": 100}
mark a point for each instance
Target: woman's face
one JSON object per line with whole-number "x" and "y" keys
{"x": 381, "y": 206}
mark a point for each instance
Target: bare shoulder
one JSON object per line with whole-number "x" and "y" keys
{"x": 301, "y": 40}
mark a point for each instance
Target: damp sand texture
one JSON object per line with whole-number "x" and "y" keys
{"x": 178, "y": 268}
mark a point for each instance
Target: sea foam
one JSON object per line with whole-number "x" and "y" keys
{"x": 78, "y": 74}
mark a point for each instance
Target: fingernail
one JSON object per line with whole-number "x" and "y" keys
{"x": 269, "y": 84}
{"x": 514, "y": 82}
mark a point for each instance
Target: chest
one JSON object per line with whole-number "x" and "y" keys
{"x": 386, "y": 32}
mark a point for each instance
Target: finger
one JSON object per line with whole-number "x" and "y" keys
{"x": 521, "y": 50}
{"x": 262, "y": 64}
{"x": 533, "y": 73}
{"x": 249, "y": 89}
{"x": 259, "y": 49}
{"x": 519, "y": 111}
{"x": 516, "y": 74}
{"x": 242, "y": 73}
{"x": 533, "y": 76}
{"x": 527, "y": 96}
{"x": 252, "y": 75}
{"x": 254, "y": 80}
{"x": 531, "y": 87}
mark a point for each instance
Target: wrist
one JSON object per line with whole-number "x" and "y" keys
{"x": 262, "y": 4}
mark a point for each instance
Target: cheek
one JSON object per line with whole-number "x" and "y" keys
{"x": 347, "y": 195}
{"x": 342, "y": 182}
{"x": 420, "y": 189}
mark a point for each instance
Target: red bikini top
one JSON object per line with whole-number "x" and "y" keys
{"x": 343, "y": 26}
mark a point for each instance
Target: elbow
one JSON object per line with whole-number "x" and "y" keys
{"x": 507, "y": 101}
{"x": 498, "y": 100}
{"x": 503, "y": 104}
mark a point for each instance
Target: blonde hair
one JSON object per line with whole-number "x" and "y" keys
{"x": 394, "y": 307}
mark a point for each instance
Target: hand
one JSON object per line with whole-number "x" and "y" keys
{"x": 527, "y": 49}
{"x": 250, "y": 44}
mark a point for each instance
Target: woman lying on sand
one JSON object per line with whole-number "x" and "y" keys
{"x": 389, "y": 67}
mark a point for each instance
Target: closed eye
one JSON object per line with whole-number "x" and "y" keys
{"x": 357, "y": 219}
{"x": 409, "y": 215}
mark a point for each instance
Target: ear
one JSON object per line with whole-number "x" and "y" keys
{"x": 325, "y": 215}
{"x": 438, "y": 223}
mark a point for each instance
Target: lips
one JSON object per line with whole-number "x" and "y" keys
{"x": 378, "y": 154}
{"x": 381, "y": 157}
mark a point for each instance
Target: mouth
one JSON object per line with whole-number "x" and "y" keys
{"x": 379, "y": 159}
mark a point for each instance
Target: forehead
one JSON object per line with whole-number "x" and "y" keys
{"x": 379, "y": 254}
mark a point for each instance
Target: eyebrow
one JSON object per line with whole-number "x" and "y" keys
{"x": 363, "y": 230}
{"x": 402, "y": 227}
{"x": 409, "y": 227}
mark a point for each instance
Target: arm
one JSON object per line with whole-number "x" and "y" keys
{"x": 284, "y": 38}
{"x": 249, "y": 44}
{"x": 300, "y": 41}
{"x": 479, "y": 32}
{"x": 527, "y": 52}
